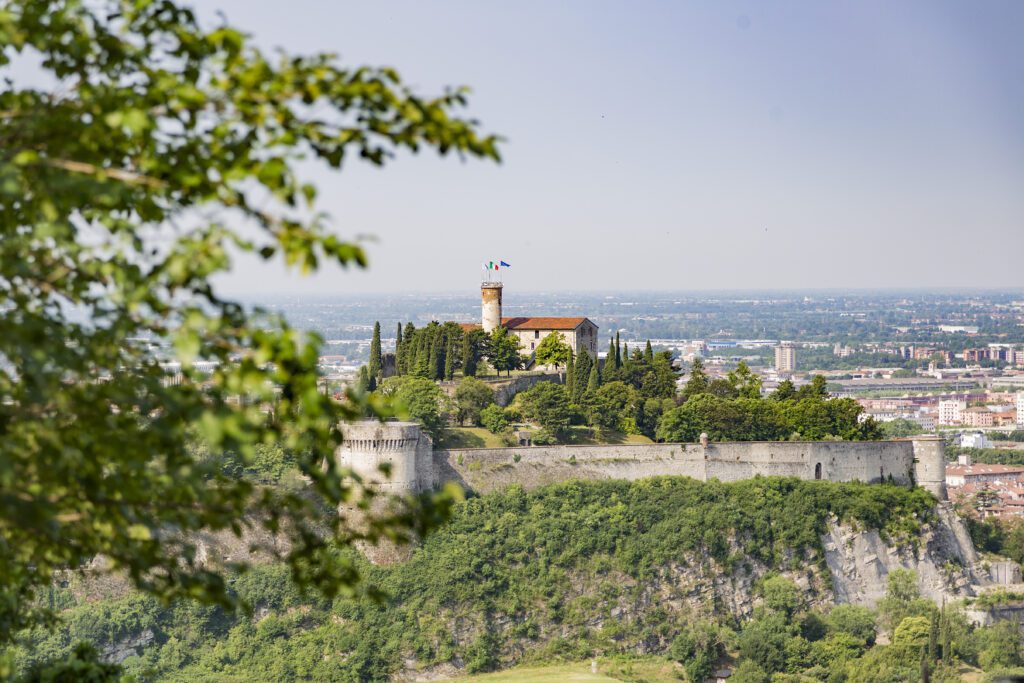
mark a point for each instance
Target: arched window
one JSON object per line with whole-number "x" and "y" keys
{"x": 817, "y": 471}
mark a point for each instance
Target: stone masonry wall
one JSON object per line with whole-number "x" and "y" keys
{"x": 489, "y": 469}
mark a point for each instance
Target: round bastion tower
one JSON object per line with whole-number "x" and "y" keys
{"x": 490, "y": 296}
{"x": 393, "y": 458}
{"x": 930, "y": 464}
{"x": 370, "y": 447}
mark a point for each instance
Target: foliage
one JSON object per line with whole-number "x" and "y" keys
{"x": 503, "y": 569}
{"x": 900, "y": 428}
{"x": 124, "y": 188}
{"x": 493, "y": 418}
{"x": 502, "y": 350}
{"x": 420, "y": 399}
{"x": 471, "y": 397}
{"x": 698, "y": 647}
{"x": 756, "y": 419}
{"x": 553, "y": 350}
{"x": 547, "y": 404}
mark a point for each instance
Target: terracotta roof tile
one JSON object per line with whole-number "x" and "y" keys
{"x": 542, "y": 323}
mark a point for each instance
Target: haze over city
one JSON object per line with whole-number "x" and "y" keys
{"x": 685, "y": 146}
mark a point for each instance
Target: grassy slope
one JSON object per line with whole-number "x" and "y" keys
{"x": 650, "y": 669}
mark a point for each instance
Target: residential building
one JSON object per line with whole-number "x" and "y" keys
{"x": 1020, "y": 409}
{"x": 978, "y": 417}
{"x": 785, "y": 357}
{"x": 951, "y": 412}
{"x": 959, "y": 475}
{"x": 974, "y": 440}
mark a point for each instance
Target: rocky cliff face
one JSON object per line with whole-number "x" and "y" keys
{"x": 943, "y": 558}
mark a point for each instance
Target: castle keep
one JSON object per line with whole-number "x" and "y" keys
{"x": 417, "y": 467}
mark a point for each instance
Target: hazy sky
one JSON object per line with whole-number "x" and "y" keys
{"x": 684, "y": 145}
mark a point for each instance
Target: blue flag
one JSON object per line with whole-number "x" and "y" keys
{"x": 505, "y": 264}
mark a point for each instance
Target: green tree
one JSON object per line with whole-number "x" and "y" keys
{"x": 449, "y": 359}
{"x": 594, "y": 381}
{"x": 421, "y": 399}
{"x": 581, "y": 375}
{"x": 609, "y": 373}
{"x": 471, "y": 397}
{"x": 120, "y": 186}
{"x": 409, "y": 348}
{"x": 547, "y": 404}
{"x": 784, "y": 392}
{"x": 698, "y": 647}
{"x": 399, "y": 355}
{"x": 553, "y": 350}
{"x": 745, "y": 382}
{"x": 503, "y": 350}
{"x": 697, "y": 383}
{"x": 363, "y": 380}
{"x": 609, "y": 404}
{"x": 570, "y": 374}
{"x": 472, "y": 342}
{"x": 856, "y": 621}
{"x": 374, "y": 366}
{"x": 900, "y": 428}
{"x": 648, "y": 352}
{"x": 493, "y": 419}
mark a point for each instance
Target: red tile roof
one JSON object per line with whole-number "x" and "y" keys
{"x": 542, "y": 323}
{"x": 534, "y": 323}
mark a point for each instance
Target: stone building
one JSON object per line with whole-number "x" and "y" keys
{"x": 580, "y": 333}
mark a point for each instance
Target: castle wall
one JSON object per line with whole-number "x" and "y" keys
{"x": 488, "y": 469}
{"x": 416, "y": 467}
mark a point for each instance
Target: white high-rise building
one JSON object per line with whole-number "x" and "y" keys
{"x": 785, "y": 357}
{"x": 1020, "y": 409}
{"x": 951, "y": 412}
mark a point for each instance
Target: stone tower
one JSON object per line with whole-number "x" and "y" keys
{"x": 392, "y": 458}
{"x": 490, "y": 296}
{"x": 930, "y": 464}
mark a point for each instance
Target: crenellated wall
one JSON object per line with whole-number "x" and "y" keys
{"x": 416, "y": 467}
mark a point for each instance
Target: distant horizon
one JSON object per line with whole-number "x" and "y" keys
{"x": 681, "y": 146}
{"x": 1008, "y": 291}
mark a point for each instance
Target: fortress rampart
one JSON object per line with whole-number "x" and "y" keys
{"x": 416, "y": 467}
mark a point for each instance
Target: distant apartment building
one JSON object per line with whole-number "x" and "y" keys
{"x": 785, "y": 357}
{"x": 978, "y": 417}
{"x": 974, "y": 440}
{"x": 960, "y": 475}
{"x": 951, "y": 412}
{"x": 843, "y": 351}
{"x": 1020, "y": 409}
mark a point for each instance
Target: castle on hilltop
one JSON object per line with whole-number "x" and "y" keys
{"x": 579, "y": 333}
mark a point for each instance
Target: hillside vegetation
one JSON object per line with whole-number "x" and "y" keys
{"x": 559, "y": 573}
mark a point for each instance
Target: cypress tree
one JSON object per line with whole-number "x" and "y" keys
{"x": 947, "y": 648}
{"x": 618, "y": 351}
{"x": 468, "y": 355}
{"x": 422, "y": 366}
{"x": 595, "y": 379}
{"x": 933, "y": 638}
{"x": 449, "y": 358}
{"x": 625, "y": 354}
{"x": 608, "y": 371}
{"x": 581, "y": 374}
{"x": 432, "y": 358}
{"x": 649, "y": 353}
{"x": 374, "y": 366}
{"x": 363, "y": 381}
{"x": 570, "y": 375}
{"x": 409, "y": 349}
{"x": 398, "y": 350}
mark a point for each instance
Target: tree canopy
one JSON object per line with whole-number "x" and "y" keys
{"x": 161, "y": 149}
